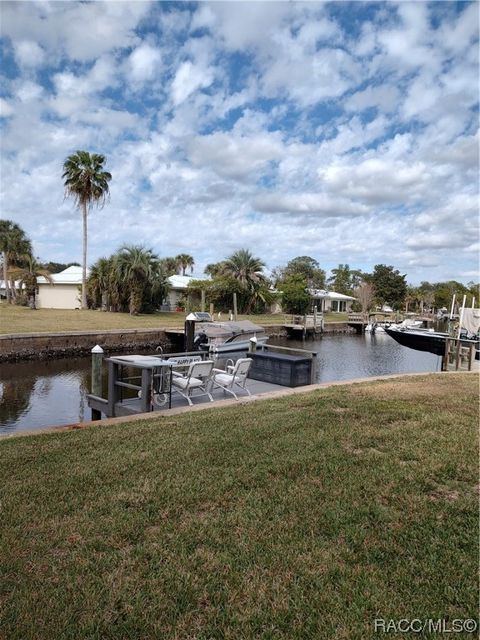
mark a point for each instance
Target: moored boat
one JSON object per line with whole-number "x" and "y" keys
{"x": 224, "y": 337}
{"x": 419, "y": 339}
{"x": 435, "y": 341}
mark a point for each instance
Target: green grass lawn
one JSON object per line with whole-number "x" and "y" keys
{"x": 14, "y": 319}
{"x": 302, "y": 517}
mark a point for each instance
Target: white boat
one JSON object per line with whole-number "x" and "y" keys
{"x": 379, "y": 327}
{"x": 223, "y": 337}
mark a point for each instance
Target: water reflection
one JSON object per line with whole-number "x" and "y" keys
{"x": 39, "y": 394}
{"x": 53, "y": 392}
{"x": 344, "y": 357}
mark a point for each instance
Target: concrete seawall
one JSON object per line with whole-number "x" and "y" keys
{"x": 39, "y": 346}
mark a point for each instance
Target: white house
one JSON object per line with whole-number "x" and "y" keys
{"x": 331, "y": 301}
{"x": 64, "y": 293}
{"x": 178, "y": 288}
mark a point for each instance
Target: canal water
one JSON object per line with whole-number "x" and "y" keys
{"x": 35, "y": 395}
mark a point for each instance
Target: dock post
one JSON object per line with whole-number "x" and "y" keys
{"x": 211, "y": 309}
{"x": 97, "y": 361}
{"x": 146, "y": 400}
{"x": 189, "y": 331}
{"x": 252, "y": 347}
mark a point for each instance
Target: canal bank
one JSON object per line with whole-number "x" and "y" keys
{"x": 44, "y": 346}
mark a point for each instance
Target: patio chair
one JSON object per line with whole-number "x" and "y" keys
{"x": 197, "y": 378}
{"x": 235, "y": 376}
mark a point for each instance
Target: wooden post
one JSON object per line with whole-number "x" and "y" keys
{"x": 445, "y": 355}
{"x": 234, "y": 305}
{"x": 252, "y": 347}
{"x": 96, "y": 389}
{"x": 202, "y": 303}
{"x": 211, "y": 309}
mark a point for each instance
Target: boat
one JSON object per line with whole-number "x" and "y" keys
{"x": 224, "y": 337}
{"x": 432, "y": 341}
{"x": 419, "y": 339}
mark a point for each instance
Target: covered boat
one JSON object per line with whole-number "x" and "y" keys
{"x": 222, "y": 337}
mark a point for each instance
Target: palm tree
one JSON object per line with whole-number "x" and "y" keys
{"x": 87, "y": 183}
{"x": 135, "y": 267}
{"x": 184, "y": 261}
{"x": 245, "y": 268}
{"x": 169, "y": 266}
{"x": 27, "y": 275}
{"x": 13, "y": 244}
{"x": 247, "y": 271}
{"x": 99, "y": 283}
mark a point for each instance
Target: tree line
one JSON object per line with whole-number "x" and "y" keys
{"x": 134, "y": 278}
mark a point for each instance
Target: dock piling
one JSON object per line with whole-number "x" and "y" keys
{"x": 97, "y": 361}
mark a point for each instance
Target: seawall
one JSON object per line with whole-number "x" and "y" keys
{"x": 39, "y": 346}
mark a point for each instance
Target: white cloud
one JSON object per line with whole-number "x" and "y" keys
{"x": 144, "y": 63}
{"x": 235, "y": 157}
{"x": 81, "y": 31}
{"x": 386, "y": 97}
{"x": 378, "y": 181}
{"x": 190, "y": 78}
{"x": 6, "y": 109}
{"x": 28, "y": 53}
{"x": 304, "y": 203}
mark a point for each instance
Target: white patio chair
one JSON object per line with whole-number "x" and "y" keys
{"x": 233, "y": 377}
{"x": 197, "y": 378}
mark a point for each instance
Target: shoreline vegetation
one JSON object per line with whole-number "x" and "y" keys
{"x": 17, "y": 319}
{"x": 307, "y": 516}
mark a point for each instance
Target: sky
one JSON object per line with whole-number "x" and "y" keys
{"x": 345, "y": 131}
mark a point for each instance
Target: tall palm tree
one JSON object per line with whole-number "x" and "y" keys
{"x": 184, "y": 261}
{"x": 27, "y": 275}
{"x": 87, "y": 182}
{"x": 135, "y": 267}
{"x": 13, "y": 244}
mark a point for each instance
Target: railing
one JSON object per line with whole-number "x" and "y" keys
{"x": 308, "y": 320}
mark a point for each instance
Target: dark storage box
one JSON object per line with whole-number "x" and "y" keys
{"x": 282, "y": 369}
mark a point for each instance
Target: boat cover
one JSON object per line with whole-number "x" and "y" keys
{"x": 471, "y": 320}
{"x": 227, "y": 329}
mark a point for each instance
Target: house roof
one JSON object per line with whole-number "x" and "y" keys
{"x": 71, "y": 275}
{"x": 182, "y": 282}
{"x": 329, "y": 295}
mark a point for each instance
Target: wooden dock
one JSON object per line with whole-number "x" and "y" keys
{"x": 301, "y": 326}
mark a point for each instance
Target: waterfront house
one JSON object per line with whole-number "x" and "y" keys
{"x": 64, "y": 293}
{"x": 178, "y": 286}
{"x": 330, "y": 301}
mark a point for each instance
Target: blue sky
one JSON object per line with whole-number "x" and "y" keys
{"x": 343, "y": 131}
